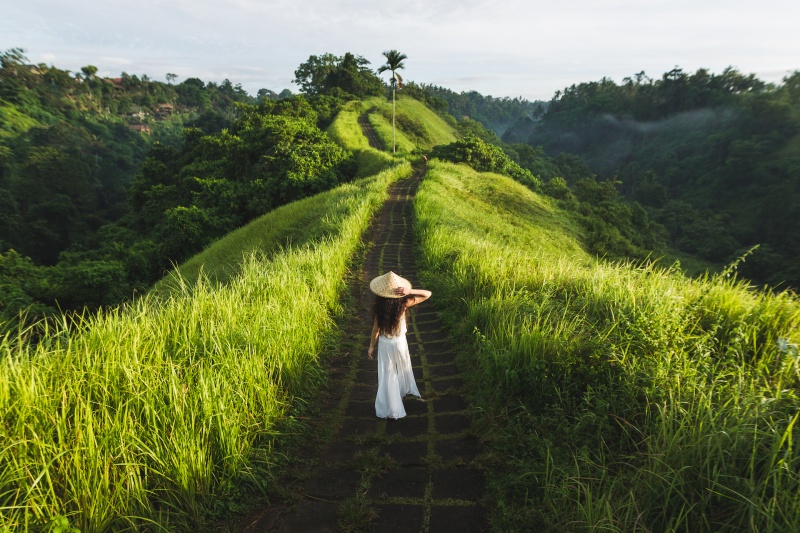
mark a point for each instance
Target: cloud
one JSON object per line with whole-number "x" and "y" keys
{"x": 515, "y": 47}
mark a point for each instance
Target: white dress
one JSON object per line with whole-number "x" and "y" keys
{"x": 395, "y": 377}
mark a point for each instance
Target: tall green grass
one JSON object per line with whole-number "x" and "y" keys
{"x": 429, "y": 129}
{"x": 153, "y": 415}
{"x": 290, "y": 226}
{"x": 623, "y": 397}
{"x": 346, "y": 132}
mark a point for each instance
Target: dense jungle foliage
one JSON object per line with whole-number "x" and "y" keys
{"x": 712, "y": 157}
{"x": 497, "y": 114}
{"x": 106, "y": 183}
{"x": 614, "y": 227}
{"x": 94, "y": 209}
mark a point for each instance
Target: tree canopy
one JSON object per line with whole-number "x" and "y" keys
{"x": 105, "y": 183}
{"x": 713, "y": 157}
{"x": 330, "y": 75}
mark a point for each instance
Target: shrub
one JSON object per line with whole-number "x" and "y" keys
{"x": 484, "y": 157}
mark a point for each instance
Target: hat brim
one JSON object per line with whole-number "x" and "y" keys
{"x": 386, "y": 284}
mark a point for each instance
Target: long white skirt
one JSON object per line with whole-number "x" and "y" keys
{"x": 395, "y": 377}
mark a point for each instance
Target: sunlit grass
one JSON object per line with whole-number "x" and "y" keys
{"x": 383, "y": 127}
{"x": 346, "y": 132}
{"x": 436, "y": 129}
{"x": 292, "y": 225}
{"x": 149, "y": 416}
{"x": 622, "y": 397}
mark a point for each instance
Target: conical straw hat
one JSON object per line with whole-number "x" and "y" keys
{"x": 386, "y": 284}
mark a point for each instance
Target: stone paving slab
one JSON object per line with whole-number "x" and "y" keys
{"x": 448, "y": 519}
{"x": 405, "y": 482}
{"x": 332, "y": 483}
{"x": 394, "y": 518}
{"x": 452, "y": 423}
{"x": 447, "y": 404}
{"x": 457, "y": 483}
{"x": 407, "y": 427}
{"x": 465, "y": 448}
{"x": 407, "y": 453}
{"x": 311, "y": 517}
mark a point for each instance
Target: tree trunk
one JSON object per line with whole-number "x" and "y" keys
{"x": 394, "y": 148}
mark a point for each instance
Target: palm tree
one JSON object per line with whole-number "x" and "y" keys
{"x": 394, "y": 62}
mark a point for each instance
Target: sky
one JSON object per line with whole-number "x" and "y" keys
{"x": 508, "y": 48}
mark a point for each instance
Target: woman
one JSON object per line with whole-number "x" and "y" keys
{"x": 393, "y": 295}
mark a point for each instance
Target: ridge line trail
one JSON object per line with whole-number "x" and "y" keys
{"x": 368, "y": 130}
{"x": 418, "y": 473}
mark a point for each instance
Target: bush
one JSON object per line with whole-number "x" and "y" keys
{"x": 484, "y": 157}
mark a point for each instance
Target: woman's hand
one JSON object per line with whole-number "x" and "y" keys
{"x": 369, "y": 352}
{"x": 402, "y": 291}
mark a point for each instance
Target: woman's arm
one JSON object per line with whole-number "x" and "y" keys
{"x": 420, "y": 295}
{"x": 373, "y": 338}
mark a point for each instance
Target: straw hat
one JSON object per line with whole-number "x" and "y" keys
{"x": 386, "y": 284}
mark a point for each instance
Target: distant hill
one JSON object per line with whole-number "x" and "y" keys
{"x": 713, "y": 157}
{"x": 496, "y": 114}
{"x": 71, "y": 145}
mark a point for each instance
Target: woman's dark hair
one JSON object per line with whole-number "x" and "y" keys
{"x": 387, "y": 311}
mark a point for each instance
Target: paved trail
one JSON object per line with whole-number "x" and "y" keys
{"x": 416, "y": 473}
{"x": 369, "y": 131}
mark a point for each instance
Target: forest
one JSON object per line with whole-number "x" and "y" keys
{"x": 497, "y": 114}
{"x": 106, "y": 183}
{"x": 714, "y": 158}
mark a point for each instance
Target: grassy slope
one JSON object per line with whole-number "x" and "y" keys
{"x": 619, "y": 398}
{"x": 437, "y": 130}
{"x": 346, "y": 131}
{"x": 158, "y": 411}
{"x": 291, "y": 225}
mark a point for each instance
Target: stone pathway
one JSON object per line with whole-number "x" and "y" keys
{"x": 414, "y": 474}
{"x": 369, "y": 130}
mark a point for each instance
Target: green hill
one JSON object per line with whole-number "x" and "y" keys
{"x": 158, "y": 410}
{"x": 417, "y": 126}
{"x": 346, "y": 131}
{"x": 712, "y": 157}
{"x": 616, "y": 395}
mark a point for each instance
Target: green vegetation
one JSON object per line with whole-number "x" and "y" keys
{"x": 347, "y": 75}
{"x": 291, "y": 226}
{"x": 382, "y": 123}
{"x": 158, "y": 414}
{"x": 273, "y": 154}
{"x": 485, "y": 157}
{"x": 68, "y": 150}
{"x": 497, "y": 114}
{"x": 618, "y": 396}
{"x": 346, "y": 132}
{"x": 71, "y": 148}
{"x": 92, "y": 212}
{"x": 621, "y": 396}
{"x": 418, "y": 127}
{"x": 713, "y": 158}
{"x": 615, "y": 228}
